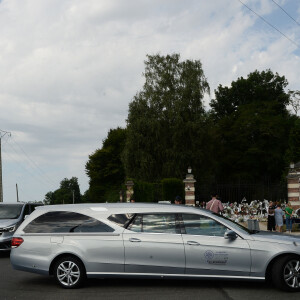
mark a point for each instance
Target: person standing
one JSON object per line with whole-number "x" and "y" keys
{"x": 278, "y": 217}
{"x": 288, "y": 217}
{"x": 214, "y": 204}
{"x": 271, "y": 217}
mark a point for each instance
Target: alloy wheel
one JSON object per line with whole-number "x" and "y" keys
{"x": 68, "y": 273}
{"x": 291, "y": 273}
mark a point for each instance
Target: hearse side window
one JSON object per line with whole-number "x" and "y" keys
{"x": 120, "y": 219}
{"x": 64, "y": 221}
{"x": 202, "y": 225}
{"x": 136, "y": 225}
{"x": 154, "y": 223}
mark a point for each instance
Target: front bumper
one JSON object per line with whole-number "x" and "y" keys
{"x": 5, "y": 241}
{"x": 5, "y": 246}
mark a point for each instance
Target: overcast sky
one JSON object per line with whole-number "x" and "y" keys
{"x": 69, "y": 68}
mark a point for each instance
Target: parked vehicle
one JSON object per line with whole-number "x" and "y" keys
{"x": 11, "y": 216}
{"x": 135, "y": 240}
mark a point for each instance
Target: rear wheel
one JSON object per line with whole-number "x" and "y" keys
{"x": 69, "y": 272}
{"x": 286, "y": 273}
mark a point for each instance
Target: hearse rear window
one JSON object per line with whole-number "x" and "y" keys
{"x": 64, "y": 221}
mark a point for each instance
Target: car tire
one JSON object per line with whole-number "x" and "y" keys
{"x": 286, "y": 273}
{"x": 69, "y": 272}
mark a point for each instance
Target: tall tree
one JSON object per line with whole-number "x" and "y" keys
{"x": 166, "y": 120}
{"x": 64, "y": 194}
{"x": 253, "y": 124}
{"x": 105, "y": 169}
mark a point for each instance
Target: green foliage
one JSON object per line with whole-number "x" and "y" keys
{"x": 49, "y": 198}
{"x": 64, "y": 195}
{"x": 144, "y": 191}
{"x": 259, "y": 88}
{"x": 166, "y": 125}
{"x": 167, "y": 189}
{"x": 105, "y": 169}
{"x": 85, "y": 198}
{"x": 252, "y": 127}
{"x": 172, "y": 187}
{"x": 112, "y": 195}
{"x": 248, "y": 135}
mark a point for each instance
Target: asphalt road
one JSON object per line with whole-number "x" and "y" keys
{"x": 22, "y": 285}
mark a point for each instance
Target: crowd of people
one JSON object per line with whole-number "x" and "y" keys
{"x": 276, "y": 212}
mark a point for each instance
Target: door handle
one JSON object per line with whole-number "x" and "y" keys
{"x": 134, "y": 240}
{"x": 193, "y": 243}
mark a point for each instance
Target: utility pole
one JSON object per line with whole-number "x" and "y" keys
{"x": 73, "y": 197}
{"x": 17, "y": 192}
{"x": 2, "y": 134}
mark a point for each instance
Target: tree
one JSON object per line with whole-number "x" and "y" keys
{"x": 166, "y": 120}
{"x": 172, "y": 187}
{"x": 49, "y": 198}
{"x": 64, "y": 195}
{"x": 252, "y": 124}
{"x": 68, "y": 187}
{"x": 105, "y": 169}
{"x": 259, "y": 88}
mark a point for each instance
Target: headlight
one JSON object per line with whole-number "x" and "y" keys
{"x": 9, "y": 229}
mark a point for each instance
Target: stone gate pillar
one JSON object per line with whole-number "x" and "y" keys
{"x": 189, "y": 188}
{"x": 293, "y": 181}
{"x": 129, "y": 192}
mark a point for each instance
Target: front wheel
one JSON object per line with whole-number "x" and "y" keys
{"x": 69, "y": 272}
{"x": 286, "y": 273}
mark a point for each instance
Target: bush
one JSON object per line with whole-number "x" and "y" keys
{"x": 144, "y": 191}
{"x": 172, "y": 187}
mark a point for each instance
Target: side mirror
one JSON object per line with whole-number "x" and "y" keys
{"x": 230, "y": 235}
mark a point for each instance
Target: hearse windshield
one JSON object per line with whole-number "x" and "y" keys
{"x": 234, "y": 224}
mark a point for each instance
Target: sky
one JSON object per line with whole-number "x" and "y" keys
{"x": 69, "y": 69}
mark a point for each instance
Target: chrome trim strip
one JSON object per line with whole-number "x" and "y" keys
{"x": 71, "y": 234}
{"x": 176, "y": 275}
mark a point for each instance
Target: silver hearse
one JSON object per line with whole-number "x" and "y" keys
{"x": 73, "y": 242}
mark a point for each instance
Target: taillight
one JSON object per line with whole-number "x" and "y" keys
{"x": 16, "y": 242}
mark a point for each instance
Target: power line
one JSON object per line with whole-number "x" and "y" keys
{"x": 30, "y": 167}
{"x": 24, "y": 167}
{"x": 34, "y": 164}
{"x": 5, "y": 138}
{"x": 286, "y": 13}
{"x": 270, "y": 24}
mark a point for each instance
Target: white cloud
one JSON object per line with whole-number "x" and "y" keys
{"x": 69, "y": 68}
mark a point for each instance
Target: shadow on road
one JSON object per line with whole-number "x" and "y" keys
{"x": 169, "y": 283}
{"x": 4, "y": 254}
